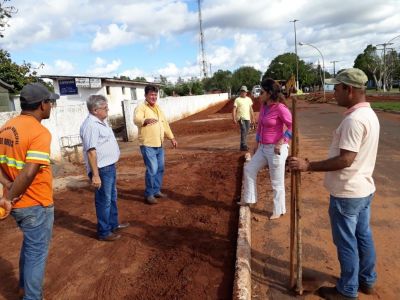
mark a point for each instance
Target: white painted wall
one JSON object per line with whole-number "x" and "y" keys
{"x": 65, "y": 120}
{"x": 114, "y": 97}
{"x": 174, "y": 108}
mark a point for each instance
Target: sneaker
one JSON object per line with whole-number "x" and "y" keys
{"x": 160, "y": 195}
{"x": 366, "y": 289}
{"x": 274, "y": 217}
{"x": 151, "y": 200}
{"x": 331, "y": 293}
{"x": 120, "y": 227}
{"x": 110, "y": 238}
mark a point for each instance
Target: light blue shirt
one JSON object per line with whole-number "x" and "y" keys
{"x": 96, "y": 134}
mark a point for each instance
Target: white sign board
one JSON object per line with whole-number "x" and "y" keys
{"x": 82, "y": 82}
{"x": 95, "y": 83}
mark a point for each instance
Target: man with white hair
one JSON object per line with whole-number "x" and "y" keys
{"x": 101, "y": 153}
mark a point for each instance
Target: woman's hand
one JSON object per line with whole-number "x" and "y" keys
{"x": 277, "y": 148}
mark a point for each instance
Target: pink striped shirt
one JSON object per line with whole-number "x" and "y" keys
{"x": 274, "y": 122}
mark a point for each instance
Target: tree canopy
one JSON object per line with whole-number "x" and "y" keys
{"x": 6, "y": 12}
{"x": 221, "y": 80}
{"x": 247, "y": 76}
{"x": 14, "y": 74}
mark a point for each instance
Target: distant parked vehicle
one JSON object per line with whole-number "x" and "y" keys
{"x": 256, "y": 91}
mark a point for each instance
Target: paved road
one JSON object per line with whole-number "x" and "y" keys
{"x": 315, "y": 120}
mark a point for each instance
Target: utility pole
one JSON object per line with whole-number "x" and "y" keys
{"x": 203, "y": 55}
{"x": 295, "y": 49}
{"x": 333, "y": 62}
{"x": 384, "y": 45}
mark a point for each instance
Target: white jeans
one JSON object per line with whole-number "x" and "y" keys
{"x": 264, "y": 156}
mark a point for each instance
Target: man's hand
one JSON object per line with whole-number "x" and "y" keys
{"x": 298, "y": 164}
{"x": 6, "y": 205}
{"x": 234, "y": 121}
{"x": 96, "y": 181}
{"x": 174, "y": 143}
{"x": 149, "y": 122}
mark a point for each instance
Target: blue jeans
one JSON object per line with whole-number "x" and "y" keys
{"x": 154, "y": 161}
{"x": 353, "y": 239}
{"x": 36, "y": 224}
{"x": 244, "y": 131}
{"x": 106, "y": 201}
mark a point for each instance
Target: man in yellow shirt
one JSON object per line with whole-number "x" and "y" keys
{"x": 152, "y": 126}
{"x": 243, "y": 114}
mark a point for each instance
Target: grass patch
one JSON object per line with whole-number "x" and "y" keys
{"x": 381, "y": 92}
{"x": 390, "y": 106}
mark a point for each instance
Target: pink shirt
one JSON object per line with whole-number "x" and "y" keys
{"x": 271, "y": 122}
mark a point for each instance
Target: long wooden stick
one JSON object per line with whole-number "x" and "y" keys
{"x": 293, "y": 197}
{"x": 297, "y": 203}
{"x": 299, "y": 281}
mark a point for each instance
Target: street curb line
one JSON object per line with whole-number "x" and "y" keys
{"x": 242, "y": 281}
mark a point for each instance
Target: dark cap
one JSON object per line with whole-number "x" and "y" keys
{"x": 36, "y": 92}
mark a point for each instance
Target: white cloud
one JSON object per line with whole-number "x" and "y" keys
{"x": 58, "y": 67}
{"x": 133, "y": 73}
{"x": 113, "y": 37}
{"x": 237, "y": 32}
{"x": 101, "y": 68}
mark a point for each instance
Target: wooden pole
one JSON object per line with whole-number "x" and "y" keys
{"x": 296, "y": 233}
{"x": 299, "y": 281}
{"x": 293, "y": 197}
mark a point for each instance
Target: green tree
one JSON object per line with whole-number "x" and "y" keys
{"x": 370, "y": 62}
{"x": 282, "y": 67}
{"x": 5, "y": 13}
{"x": 245, "y": 75}
{"x": 221, "y": 80}
{"x": 140, "y": 79}
{"x": 14, "y": 74}
{"x": 197, "y": 87}
{"x": 122, "y": 77}
{"x": 392, "y": 62}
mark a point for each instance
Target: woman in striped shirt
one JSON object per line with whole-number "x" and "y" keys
{"x": 273, "y": 134}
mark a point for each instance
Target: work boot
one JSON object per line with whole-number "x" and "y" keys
{"x": 160, "y": 195}
{"x": 331, "y": 293}
{"x": 120, "y": 227}
{"x": 110, "y": 238}
{"x": 366, "y": 289}
{"x": 151, "y": 200}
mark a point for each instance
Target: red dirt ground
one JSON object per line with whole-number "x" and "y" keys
{"x": 181, "y": 248}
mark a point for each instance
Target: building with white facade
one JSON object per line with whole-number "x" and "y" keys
{"x": 75, "y": 90}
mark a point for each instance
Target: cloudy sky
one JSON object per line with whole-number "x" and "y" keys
{"x": 153, "y": 37}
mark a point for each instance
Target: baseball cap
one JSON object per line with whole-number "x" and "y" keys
{"x": 353, "y": 76}
{"x": 244, "y": 88}
{"x": 35, "y": 93}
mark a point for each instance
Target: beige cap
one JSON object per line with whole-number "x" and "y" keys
{"x": 244, "y": 88}
{"x": 353, "y": 76}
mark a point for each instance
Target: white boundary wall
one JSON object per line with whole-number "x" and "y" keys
{"x": 174, "y": 108}
{"x": 65, "y": 120}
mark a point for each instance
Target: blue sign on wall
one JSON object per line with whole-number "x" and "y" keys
{"x": 67, "y": 87}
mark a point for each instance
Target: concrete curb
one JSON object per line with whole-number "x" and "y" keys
{"x": 242, "y": 282}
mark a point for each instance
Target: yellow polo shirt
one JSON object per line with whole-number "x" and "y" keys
{"x": 151, "y": 135}
{"x": 243, "y": 106}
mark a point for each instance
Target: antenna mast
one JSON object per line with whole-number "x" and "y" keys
{"x": 203, "y": 64}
